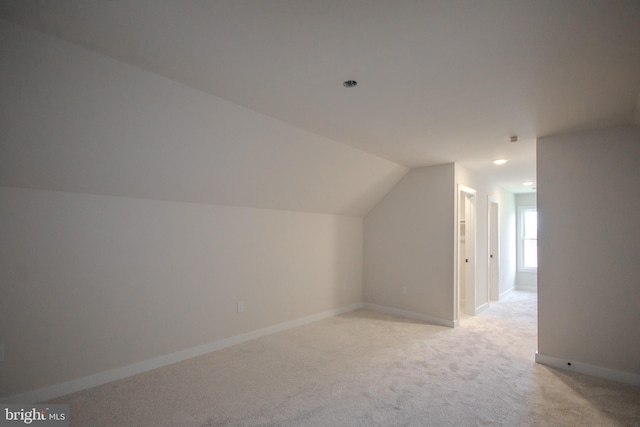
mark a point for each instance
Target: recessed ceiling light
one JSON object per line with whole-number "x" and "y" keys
{"x": 500, "y": 161}
{"x": 350, "y": 83}
{"x": 527, "y": 183}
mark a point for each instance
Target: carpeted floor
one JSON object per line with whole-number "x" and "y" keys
{"x": 369, "y": 369}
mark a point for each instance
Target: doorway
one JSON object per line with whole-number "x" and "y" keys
{"x": 466, "y": 259}
{"x": 493, "y": 268}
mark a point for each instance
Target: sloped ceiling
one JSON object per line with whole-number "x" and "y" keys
{"x": 439, "y": 81}
{"x": 73, "y": 120}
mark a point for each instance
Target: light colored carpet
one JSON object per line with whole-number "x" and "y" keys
{"x": 369, "y": 369}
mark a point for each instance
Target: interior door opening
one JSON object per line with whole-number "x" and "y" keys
{"x": 466, "y": 244}
{"x": 493, "y": 270}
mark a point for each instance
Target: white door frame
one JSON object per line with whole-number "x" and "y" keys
{"x": 470, "y": 244}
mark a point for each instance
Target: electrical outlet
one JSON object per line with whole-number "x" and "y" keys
{"x": 403, "y": 290}
{"x": 240, "y": 306}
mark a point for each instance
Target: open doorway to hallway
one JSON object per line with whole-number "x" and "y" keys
{"x": 466, "y": 259}
{"x": 493, "y": 241}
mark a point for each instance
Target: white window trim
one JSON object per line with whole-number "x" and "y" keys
{"x": 519, "y": 236}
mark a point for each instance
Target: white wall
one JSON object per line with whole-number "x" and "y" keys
{"x": 115, "y": 245}
{"x": 525, "y": 280}
{"x": 507, "y": 242}
{"x": 91, "y": 283}
{"x": 409, "y": 241}
{"x": 588, "y": 286}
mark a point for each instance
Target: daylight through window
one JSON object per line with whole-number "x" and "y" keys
{"x": 529, "y": 238}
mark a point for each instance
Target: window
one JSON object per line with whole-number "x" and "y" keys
{"x": 528, "y": 247}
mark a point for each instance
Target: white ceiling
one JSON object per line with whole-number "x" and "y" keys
{"x": 438, "y": 81}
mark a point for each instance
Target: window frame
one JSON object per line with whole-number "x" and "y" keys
{"x": 522, "y": 239}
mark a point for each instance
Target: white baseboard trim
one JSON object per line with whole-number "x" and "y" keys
{"x": 482, "y": 308}
{"x": 585, "y": 368}
{"x": 409, "y": 315}
{"x": 505, "y": 293}
{"x": 157, "y": 362}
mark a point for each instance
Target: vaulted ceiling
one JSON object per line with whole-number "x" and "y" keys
{"x": 438, "y": 81}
